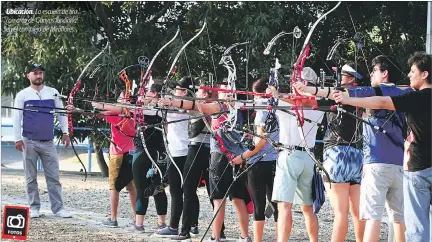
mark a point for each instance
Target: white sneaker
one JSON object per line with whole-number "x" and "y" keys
{"x": 64, "y": 213}
{"x": 34, "y": 213}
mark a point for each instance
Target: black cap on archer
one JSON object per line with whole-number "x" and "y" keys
{"x": 33, "y": 67}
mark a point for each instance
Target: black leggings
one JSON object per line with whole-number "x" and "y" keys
{"x": 260, "y": 181}
{"x": 145, "y": 186}
{"x": 197, "y": 162}
{"x": 176, "y": 190}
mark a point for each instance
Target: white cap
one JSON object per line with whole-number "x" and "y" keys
{"x": 309, "y": 75}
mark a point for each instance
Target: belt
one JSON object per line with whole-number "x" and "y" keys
{"x": 299, "y": 148}
{"x": 199, "y": 143}
{"x": 38, "y": 140}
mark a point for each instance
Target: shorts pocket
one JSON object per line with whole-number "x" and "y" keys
{"x": 417, "y": 181}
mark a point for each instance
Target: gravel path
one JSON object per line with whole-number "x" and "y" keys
{"x": 89, "y": 201}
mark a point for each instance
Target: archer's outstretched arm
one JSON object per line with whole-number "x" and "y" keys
{"x": 206, "y": 108}
{"x": 367, "y": 102}
{"x": 288, "y": 97}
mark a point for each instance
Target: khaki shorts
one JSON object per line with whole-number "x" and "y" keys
{"x": 115, "y": 164}
{"x": 382, "y": 186}
{"x": 293, "y": 178}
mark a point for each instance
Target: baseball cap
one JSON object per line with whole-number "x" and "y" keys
{"x": 34, "y": 67}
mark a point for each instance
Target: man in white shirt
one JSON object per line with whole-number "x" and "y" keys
{"x": 34, "y": 134}
{"x": 294, "y": 172}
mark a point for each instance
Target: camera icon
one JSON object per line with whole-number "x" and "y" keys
{"x": 16, "y": 222}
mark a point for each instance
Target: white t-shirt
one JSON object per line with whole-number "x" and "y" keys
{"x": 289, "y": 132}
{"x": 177, "y": 135}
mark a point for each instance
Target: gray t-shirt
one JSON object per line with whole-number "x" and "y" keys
{"x": 205, "y": 134}
{"x": 271, "y": 154}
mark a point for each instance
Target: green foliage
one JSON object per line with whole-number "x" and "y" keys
{"x": 140, "y": 28}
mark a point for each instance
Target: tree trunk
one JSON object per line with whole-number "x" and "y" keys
{"x": 101, "y": 160}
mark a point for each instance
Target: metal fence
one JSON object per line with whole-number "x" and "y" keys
{"x": 84, "y": 146}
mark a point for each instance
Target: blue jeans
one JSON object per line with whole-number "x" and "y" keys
{"x": 417, "y": 200}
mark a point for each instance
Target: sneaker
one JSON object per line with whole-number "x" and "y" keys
{"x": 194, "y": 231}
{"x": 135, "y": 228}
{"x": 167, "y": 232}
{"x": 247, "y": 239}
{"x": 213, "y": 240}
{"x": 110, "y": 223}
{"x": 34, "y": 213}
{"x": 222, "y": 236}
{"x": 159, "y": 227}
{"x": 63, "y": 213}
{"x": 182, "y": 237}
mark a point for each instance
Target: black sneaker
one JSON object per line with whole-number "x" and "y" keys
{"x": 194, "y": 231}
{"x": 182, "y": 237}
{"x": 222, "y": 236}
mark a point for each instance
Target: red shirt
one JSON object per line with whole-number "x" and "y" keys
{"x": 124, "y": 142}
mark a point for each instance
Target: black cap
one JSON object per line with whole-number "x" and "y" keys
{"x": 34, "y": 67}
{"x": 155, "y": 88}
{"x": 186, "y": 82}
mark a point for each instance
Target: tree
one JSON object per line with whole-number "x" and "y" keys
{"x": 140, "y": 28}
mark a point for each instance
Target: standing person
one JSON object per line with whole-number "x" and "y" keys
{"x": 34, "y": 134}
{"x": 382, "y": 181}
{"x": 178, "y": 141}
{"x": 141, "y": 164}
{"x": 220, "y": 177}
{"x": 195, "y": 169}
{"x": 120, "y": 161}
{"x": 343, "y": 158}
{"x": 417, "y": 106}
{"x": 261, "y": 176}
{"x": 294, "y": 172}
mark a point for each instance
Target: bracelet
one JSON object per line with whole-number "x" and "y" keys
{"x": 316, "y": 91}
{"x": 328, "y": 94}
{"x": 181, "y": 103}
{"x": 241, "y": 157}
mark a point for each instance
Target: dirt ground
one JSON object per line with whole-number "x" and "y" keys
{"x": 89, "y": 202}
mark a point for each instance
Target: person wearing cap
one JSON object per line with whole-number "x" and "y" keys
{"x": 178, "y": 146}
{"x": 382, "y": 181}
{"x": 220, "y": 178}
{"x": 195, "y": 171}
{"x": 342, "y": 155}
{"x": 294, "y": 167}
{"x": 34, "y": 134}
{"x": 417, "y": 179}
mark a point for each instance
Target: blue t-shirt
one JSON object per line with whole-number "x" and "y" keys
{"x": 268, "y": 149}
{"x": 379, "y": 147}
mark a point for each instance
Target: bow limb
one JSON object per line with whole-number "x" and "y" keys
{"x": 228, "y": 63}
{"x": 296, "y": 76}
{"x": 170, "y": 72}
{"x": 70, "y": 102}
{"x": 159, "y": 51}
{"x": 298, "y": 66}
{"x": 183, "y": 48}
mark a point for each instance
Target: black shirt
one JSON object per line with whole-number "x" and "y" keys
{"x": 343, "y": 130}
{"x": 417, "y": 106}
{"x": 153, "y": 137}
